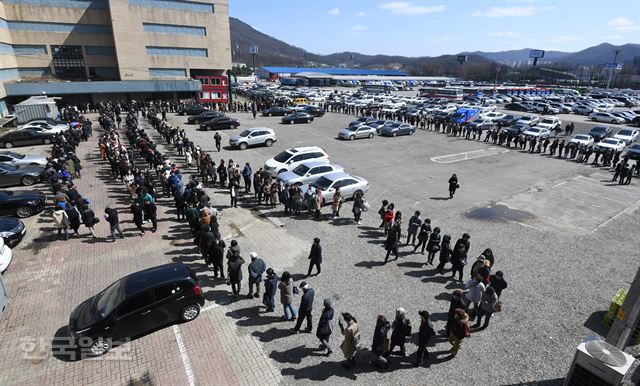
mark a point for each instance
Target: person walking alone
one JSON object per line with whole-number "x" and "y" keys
{"x": 218, "y": 140}
{"x": 358, "y": 207}
{"x": 453, "y": 185}
{"x": 315, "y": 256}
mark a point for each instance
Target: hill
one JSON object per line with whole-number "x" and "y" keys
{"x": 603, "y": 53}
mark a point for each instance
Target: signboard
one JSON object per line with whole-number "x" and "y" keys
{"x": 462, "y": 58}
{"x": 615, "y": 66}
{"x": 253, "y": 50}
{"x": 536, "y": 54}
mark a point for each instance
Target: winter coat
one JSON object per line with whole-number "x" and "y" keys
{"x": 256, "y": 269}
{"x": 434, "y": 242}
{"x": 451, "y": 315}
{"x": 358, "y": 204}
{"x": 234, "y": 269}
{"x": 488, "y": 302}
{"x": 414, "y": 224}
{"x": 271, "y": 285}
{"x": 351, "y": 343}
{"x": 379, "y": 335}
{"x": 286, "y": 292}
{"x": 137, "y": 215}
{"x": 324, "y": 324}
{"x": 425, "y": 229}
{"x": 425, "y": 333}
{"x": 498, "y": 284}
{"x": 88, "y": 217}
{"x": 206, "y": 241}
{"x": 74, "y": 218}
{"x": 459, "y": 327}
{"x": 233, "y": 251}
{"x": 112, "y": 216}
{"x": 475, "y": 291}
{"x": 61, "y": 219}
{"x": 316, "y": 254}
{"x": 401, "y": 329}
{"x": 306, "y": 303}
{"x": 445, "y": 251}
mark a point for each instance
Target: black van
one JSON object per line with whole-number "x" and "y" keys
{"x": 135, "y": 305}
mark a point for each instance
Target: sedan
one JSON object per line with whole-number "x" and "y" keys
{"x": 22, "y": 160}
{"x": 314, "y": 111}
{"x": 600, "y": 132}
{"x": 220, "y": 123}
{"x": 530, "y": 120}
{"x": 353, "y": 132}
{"x": 363, "y": 121}
{"x": 605, "y": 117}
{"x": 612, "y": 143}
{"x": 203, "y": 117}
{"x": 551, "y": 123}
{"x": 298, "y": 117}
{"x": 378, "y": 125}
{"x": 634, "y": 151}
{"x": 192, "y": 110}
{"x": 517, "y": 128}
{"x": 276, "y": 112}
{"x": 309, "y": 172}
{"x": 516, "y": 107}
{"x": 583, "y": 139}
{"x": 21, "y": 204}
{"x": 12, "y": 231}
{"x": 398, "y": 129}
{"x": 583, "y": 109}
{"x": 480, "y": 124}
{"x": 43, "y": 127}
{"x": 539, "y": 132}
{"x": 25, "y": 138}
{"x": 493, "y": 116}
{"x": 507, "y": 120}
{"x": 14, "y": 175}
{"x": 347, "y": 183}
{"x": 627, "y": 135}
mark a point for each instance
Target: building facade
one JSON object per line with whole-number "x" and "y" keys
{"x": 60, "y": 47}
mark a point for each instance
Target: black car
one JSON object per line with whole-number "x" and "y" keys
{"x": 276, "y": 111}
{"x": 203, "y": 117}
{"x": 636, "y": 121}
{"x": 192, "y": 110}
{"x": 25, "y": 138}
{"x": 516, "y": 107}
{"x": 507, "y": 120}
{"x": 22, "y": 203}
{"x": 12, "y": 231}
{"x": 135, "y": 305}
{"x": 365, "y": 121}
{"x": 314, "y": 111}
{"x": 27, "y": 175}
{"x": 634, "y": 152}
{"x": 601, "y": 132}
{"x": 220, "y": 123}
{"x": 298, "y": 117}
{"x": 517, "y": 128}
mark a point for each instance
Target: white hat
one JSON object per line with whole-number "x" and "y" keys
{"x": 253, "y": 255}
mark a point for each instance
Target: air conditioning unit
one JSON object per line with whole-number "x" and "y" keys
{"x": 598, "y": 363}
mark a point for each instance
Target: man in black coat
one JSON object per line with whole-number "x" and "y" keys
{"x": 425, "y": 334}
{"x": 456, "y": 302}
{"x": 205, "y": 243}
{"x": 111, "y": 215}
{"x": 315, "y": 256}
{"x": 414, "y": 224}
{"x": 306, "y": 307}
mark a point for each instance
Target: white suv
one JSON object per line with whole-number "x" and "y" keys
{"x": 290, "y": 158}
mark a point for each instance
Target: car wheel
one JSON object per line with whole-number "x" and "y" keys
{"x": 99, "y": 347}
{"x": 24, "y": 211}
{"x": 27, "y": 180}
{"x": 243, "y": 146}
{"x": 8, "y": 145}
{"x": 351, "y": 138}
{"x": 46, "y": 141}
{"x": 190, "y": 312}
{"x": 308, "y": 120}
{"x": 410, "y": 132}
{"x": 395, "y": 133}
{"x": 370, "y": 135}
{"x": 270, "y": 114}
{"x": 291, "y": 123}
{"x": 268, "y": 143}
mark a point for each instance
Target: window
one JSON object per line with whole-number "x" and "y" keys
{"x": 191, "y": 6}
{"x": 28, "y": 49}
{"x": 177, "y": 51}
{"x": 106, "y": 73}
{"x": 135, "y": 303}
{"x": 167, "y": 72}
{"x": 100, "y": 50}
{"x": 215, "y": 81}
{"x": 298, "y": 158}
{"x": 166, "y": 291}
{"x": 173, "y": 29}
{"x": 204, "y": 80}
{"x": 324, "y": 169}
{"x": 69, "y": 62}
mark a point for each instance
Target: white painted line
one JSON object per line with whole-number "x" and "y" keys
{"x": 584, "y": 202}
{"x": 468, "y": 155}
{"x": 627, "y": 210}
{"x": 559, "y": 184}
{"x": 183, "y": 355}
{"x": 378, "y": 196}
{"x": 594, "y": 194}
{"x": 209, "y": 307}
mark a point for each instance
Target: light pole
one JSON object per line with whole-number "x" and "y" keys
{"x": 496, "y": 81}
{"x": 611, "y": 69}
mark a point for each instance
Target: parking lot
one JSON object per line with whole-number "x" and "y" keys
{"x": 543, "y": 218}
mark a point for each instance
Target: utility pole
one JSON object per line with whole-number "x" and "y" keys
{"x": 627, "y": 318}
{"x": 615, "y": 62}
{"x": 496, "y": 81}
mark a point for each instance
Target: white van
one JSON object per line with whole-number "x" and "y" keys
{"x": 290, "y": 158}
{"x": 4, "y": 297}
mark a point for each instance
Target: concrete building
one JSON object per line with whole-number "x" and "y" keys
{"x": 110, "y": 48}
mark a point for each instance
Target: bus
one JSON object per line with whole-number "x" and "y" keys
{"x": 441, "y": 92}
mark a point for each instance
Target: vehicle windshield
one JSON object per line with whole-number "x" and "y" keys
{"x": 547, "y": 120}
{"x": 110, "y": 298}
{"x": 598, "y": 130}
{"x": 625, "y": 132}
{"x": 526, "y": 118}
{"x": 282, "y": 157}
{"x": 301, "y": 170}
{"x": 352, "y": 128}
{"x": 323, "y": 183}
{"x": 8, "y": 167}
{"x": 14, "y": 155}
{"x": 245, "y": 133}
{"x": 610, "y": 141}
{"x": 534, "y": 130}
{"x": 582, "y": 137}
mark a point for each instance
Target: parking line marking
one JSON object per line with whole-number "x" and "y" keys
{"x": 559, "y": 184}
{"x": 183, "y": 355}
{"x": 627, "y": 210}
{"x": 468, "y": 155}
{"x": 609, "y": 188}
{"x": 584, "y": 202}
{"x": 593, "y": 194}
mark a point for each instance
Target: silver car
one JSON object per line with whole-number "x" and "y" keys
{"x": 20, "y": 159}
{"x": 309, "y": 172}
{"x": 347, "y": 183}
{"x": 252, "y": 137}
{"x": 353, "y": 132}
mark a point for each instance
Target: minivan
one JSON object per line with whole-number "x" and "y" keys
{"x": 290, "y": 158}
{"x": 134, "y": 305}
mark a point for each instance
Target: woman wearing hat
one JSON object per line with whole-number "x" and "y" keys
{"x": 351, "y": 343}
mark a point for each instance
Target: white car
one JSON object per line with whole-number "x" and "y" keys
{"x": 291, "y": 158}
{"x": 493, "y": 116}
{"x": 612, "y": 143}
{"x": 347, "y": 183}
{"x": 583, "y": 109}
{"x": 530, "y": 120}
{"x": 44, "y": 127}
{"x": 539, "y": 132}
{"x": 15, "y": 158}
{"x": 5, "y": 255}
{"x": 605, "y": 117}
{"x": 309, "y": 172}
{"x": 550, "y": 123}
{"x": 583, "y": 139}
{"x": 627, "y": 135}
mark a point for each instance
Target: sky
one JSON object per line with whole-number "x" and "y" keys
{"x": 431, "y": 28}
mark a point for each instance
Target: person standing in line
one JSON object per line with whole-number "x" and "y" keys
{"x": 315, "y": 257}
{"x": 457, "y": 301}
{"x": 401, "y": 330}
{"x": 433, "y": 246}
{"x": 286, "y": 288}
{"x": 270, "y": 288}
{"x": 393, "y": 238}
{"x": 216, "y": 254}
{"x": 423, "y": 235}
{"x": 414, "y": 225}
{"x": 256, "y": 268}
{"x": 382, "y": 211}
{"x": 425, "y": 334}
{"x": 111, "y": 215}
{"x": 324, "y": 329}
{"x": 74, "y": 218}
{"x": 476, "y": 289}
{"x": 380, "y": 344}
{"x": 487, "y": 308}
{"x": 387, "y": 220}
{"x": 136, "y": 210}
{"x": 358, "y": 207}
{"x": 61, "y": 220}
{"x": 247, "y": 175}
{"x": 89, "y": 218}
{"x": 459, "y": 331}
{"x": 445, "y": 253}
{"x": 317, "y": 200}
{"x": 234, "y": 270}
{"x": 306, "y": 308}
{"x": 205, "y": 243}
{"x": 351, "y": 343}
{"x": 336, "y": 203}
{"x": 233, "y": 193}
{"x": 498, "y": 283}
{"x": 453, "y": 185}
{"x": 218, "y": 140}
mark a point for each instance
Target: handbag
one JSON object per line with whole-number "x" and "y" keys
{"x": 365, "y": 206}
{"x": 96, "y": 220}
{"x": 385, "y": 346}
{"x": 497, "y": 307}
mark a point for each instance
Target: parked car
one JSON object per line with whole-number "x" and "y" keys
{"x": 517, "y": 128}
{"x": 582, "y": 139}
{"x": 516, "y": 107}
{"x": 12, "y": 231}
{"x": 636, "y": 121}
{"x": 299, "y": 117}
{"x": 480, "y": 124}
{"x": 15, "y": 175}
{"x": 15, "y": 158}
{"x": 309, "y": 172}
{"x": 530, "y": 120}
{"x": 314, "y": 111}
{"x": 541, "y": 107}
{"x": 253, "y": 137}
{"x": 347, "y": 183}
{"x": 204, "y": 117}
{"x": 539, "y": 132}
{"x": 600, "y": 132}
{"x": 24, "y": 138}
{"x": 192, "y": 110}
{"x": 354, "y": 132}
{"x": 379, "y": 124}
{"x": 22, "y": 203}
{"x": 365, "y": 121}
{"x": 291, "y": 158}
{"x": 135, "y": 305}
{"x": 627, "y": 135}
{"x": 276, "y": 111}
{"x": 220, "y": 123}
{"x": 6, "y": 255}
{"x": 633, "y": 151}
{"x": 550, "y": 123}
{"x": 605, "y": 117}
{"x": 397, "y": 129}
{"x": 583, "y": 109}
{"x": 44, "y": 127}
{"x": 612, "y": 143}
{"x": 507, "y": 120}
